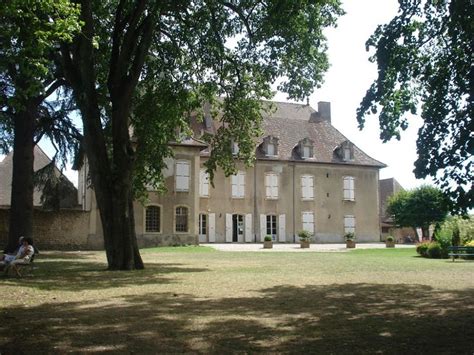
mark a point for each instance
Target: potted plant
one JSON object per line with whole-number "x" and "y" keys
{"x": 267, "y": 242}
{"x": 305, "y": 238}
{"x": 390, "y": 242}
{"x": 350, "y": 240}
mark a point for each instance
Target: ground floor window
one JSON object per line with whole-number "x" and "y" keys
{"x": 181, "y": 219}
{"x": 203, "y": 224}
{"x": 152, "y": 219}
{"x": 308, "y": 222}
{"x": 272, "y": 226}
{"x": 349, "y": 224}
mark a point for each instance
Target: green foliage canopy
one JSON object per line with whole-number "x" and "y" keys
{"x": 424, "y": 57}
{"x": 419, "y": 207}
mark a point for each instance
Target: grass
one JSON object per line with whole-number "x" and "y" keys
{"x": 199, "y": 300}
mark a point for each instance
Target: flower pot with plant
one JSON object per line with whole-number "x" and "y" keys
{"x": 305, "y": 238}
{"x": 350, "y": 240}
{"x": 390, "y": 242}
{"x": 267, "y": 242}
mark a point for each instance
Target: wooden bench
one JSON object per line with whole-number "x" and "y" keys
{"x": 460, "y": 251}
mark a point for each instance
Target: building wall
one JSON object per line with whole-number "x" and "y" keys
{"x": 328, "y": 205}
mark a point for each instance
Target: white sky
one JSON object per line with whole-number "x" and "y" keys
{"x": 346, "y": 82}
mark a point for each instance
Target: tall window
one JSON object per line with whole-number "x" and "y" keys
{"x": 272, "y": 226}
{"x": 203, "y": 183}
{"x": 182, "y": 175}
{"x": 238, "y": 185}
{"x": 307, "y": 187}
{"x": 152, "y": 219}
{"x": 308, "y": 222}
{"x": 349, "y": 188}
{"x": 181, "y": 219}
{"x": 203, "y": 224}
{"x": 271, "y": 186}
{"x": 349, "y": 224}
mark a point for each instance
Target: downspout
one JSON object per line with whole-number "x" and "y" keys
{"x": 255, "y": 201}
{"x": 294, "y": 204}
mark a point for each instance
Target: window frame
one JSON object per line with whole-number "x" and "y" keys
{"x": 160, "y": 217}
{"x": 273, "y": 225}
{"x": 303, "y": 197}
{"x": 310, "y": 213}
{"x": 347, "y": 228}
{"x": 175, "y": 219}
{"x": 188, "y": 163}
{"x": 271, "y": 188}
{"x": 237, "y": 184}
{"x": 350, "y": 195}
{"x": 203, "y": 173}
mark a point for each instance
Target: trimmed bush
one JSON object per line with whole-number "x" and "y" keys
{"x": 422, "y": 248}
{"x": 434, "y": 250}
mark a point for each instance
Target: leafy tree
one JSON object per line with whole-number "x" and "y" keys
{"x": 31, "y": 30}
{"x": 424, "y": 57}
{"x": 150, "y": 63}
{"x": 418, "y": 208}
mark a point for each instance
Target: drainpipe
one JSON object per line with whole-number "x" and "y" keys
{"x": 255, "y": 210}
{"x": 294, "y": 204}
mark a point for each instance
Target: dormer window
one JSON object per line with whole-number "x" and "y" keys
{"x": 346, "y": 151}
{"x": 306, "y": 148}
{"x": 270, "y": 146}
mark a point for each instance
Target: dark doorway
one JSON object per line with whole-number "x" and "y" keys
{"x": 237, "y": 228}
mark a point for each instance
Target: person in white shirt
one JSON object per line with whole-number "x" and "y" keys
{"x": 24, "y": 255}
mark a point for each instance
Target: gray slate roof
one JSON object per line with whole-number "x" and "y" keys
{"x": 290, "y": 123}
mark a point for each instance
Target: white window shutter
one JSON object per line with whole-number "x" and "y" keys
{"x": 212, "y": 228}
{"x": 241, "y": 179}
{"x": 203, "y": 183}
{"x": 263, "y": 226}
{"x": 248, "y": 227}
{"x": 282, "y": 228}
{"x": 234, "y": 180}
{"x": 270, "y": 149}
{"x": 228, "y": 228}
{"x": 311, "y": 187}
{"x": 182, "y": 176}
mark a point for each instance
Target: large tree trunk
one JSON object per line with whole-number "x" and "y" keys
{"x": 111, "y": 176}
{"x": 21, "y": 212}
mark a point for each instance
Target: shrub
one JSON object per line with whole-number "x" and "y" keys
{"x": 445, "y": 240}
{"x": 349, "y": 236}
{"x": 390, "y": 239}
{"x": 268, "y": 238}
{"x": 434, "y": 250}
{"x": 422, "y": 248}
{"x": 469, "y": 244}
{"x": 304, "y": 235}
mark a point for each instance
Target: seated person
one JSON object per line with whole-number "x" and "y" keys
{"x": 24, "y": 255}
{"x": 9, "y": 257}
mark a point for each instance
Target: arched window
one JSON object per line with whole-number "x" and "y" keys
{"x": 181, "y": 219}
{"x": 153, "y": 219}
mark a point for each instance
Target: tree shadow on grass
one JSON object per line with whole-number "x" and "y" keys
{"x": 81, "y": 275}
{"x": 342, "y": 318}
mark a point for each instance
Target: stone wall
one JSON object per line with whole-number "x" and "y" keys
{"x": 60, "y": 230}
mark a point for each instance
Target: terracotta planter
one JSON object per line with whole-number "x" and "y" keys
{"x": 389, "y": 244}
{"x": 304, "y": 244}
{"x": 350, "y": 244}
{"x": 267, "y": 244}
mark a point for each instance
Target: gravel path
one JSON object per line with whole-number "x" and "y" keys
{"x": 296, "y": 247}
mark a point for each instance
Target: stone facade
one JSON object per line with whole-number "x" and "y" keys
{"x": 220, "y": 217}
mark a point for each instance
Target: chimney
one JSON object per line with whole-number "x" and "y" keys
{"x": 324, "y": 109}
{"x": 207, "y": 115}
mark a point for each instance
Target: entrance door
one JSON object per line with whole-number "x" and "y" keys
{"x": 203, "y": 228}
{"x": 237, "y": 228}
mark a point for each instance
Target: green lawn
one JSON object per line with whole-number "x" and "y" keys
{"x": 196, "y": 299}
